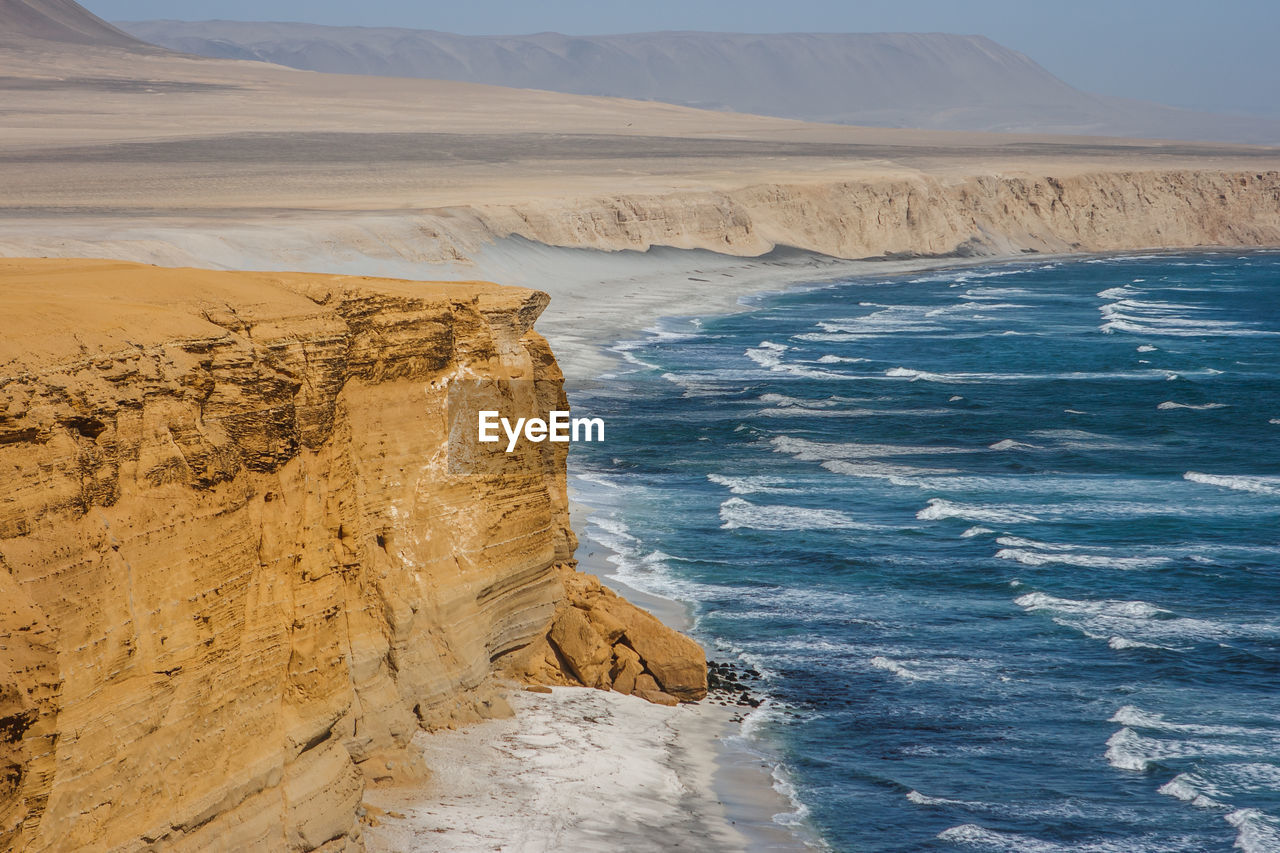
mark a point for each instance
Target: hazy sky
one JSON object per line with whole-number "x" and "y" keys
{"x": 1221, "y": 55}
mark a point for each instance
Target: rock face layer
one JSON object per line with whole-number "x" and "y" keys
{"x": 924, "y": 215}
{"x": 1072, "y": 209}
{"x": 237, "y": 573}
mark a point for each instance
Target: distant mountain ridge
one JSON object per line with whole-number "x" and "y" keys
{"x": 928, "y": 80}
{"x": 58, "y": 21}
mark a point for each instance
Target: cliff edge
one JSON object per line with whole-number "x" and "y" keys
{"x": 237, "y": 572}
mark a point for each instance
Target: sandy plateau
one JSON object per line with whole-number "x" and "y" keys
{"x": 238, "y": 579}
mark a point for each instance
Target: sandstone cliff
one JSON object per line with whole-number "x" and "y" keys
{"x": 907, "y": 214}
{"x": 899, "y": 214}
{"x": 237, "y": 571}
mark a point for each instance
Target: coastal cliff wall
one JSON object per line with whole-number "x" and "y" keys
{"x": 917, "y": 215}
{"x": 237, "y": 573}
{"x": 900, "y": 214}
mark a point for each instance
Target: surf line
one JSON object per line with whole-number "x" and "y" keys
{"x": 559, "y": 427}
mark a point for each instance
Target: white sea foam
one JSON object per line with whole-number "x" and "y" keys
{"x": 1135, "y": 717}
{"x": 1010, "y": 444}
{"x": 898, "y": 475}
{"x": 641, "y": 567}
{"x": 893, "y": 666}
{"x": 782, "y": 784}
{"x": 914, "y": 375}
{"x": 1169, "y": 404}
{"x": 1137, "y": 621}
{"x": 925, "y": 800}
{"x": 1257, "y": 485}
{"x": 890, "y": 320}
{"x": 1164, "y": 318}
{"x": 738, "y": 513}
{"x": 840, "y": 359}
{"x": 770, "y": 356}
{"x": 597, "y": 479}
{"x": 997, "y": 292}
{"x": 701, "y": 384}
{"x": 1252, "y": 777}
{"x": 970, "y": 834}
{"x": 1090, "y": 561}
{"x": 940, "y": 508}
{"x": 978, "y": 837}
{"x": 1147, "y": 348}
{"x": 801, "y": 412}
{"x": 751, "y": 485}
{"x": 788, "y": 402}
{"x": 614, "y": 528}
{"x": 1122, "y": 643}
{"x": 1128, "y": 750}
{"x": 631, "y": 358}
{"x": 1257, "y": 831}
{"x": 1274, "y": 421}
{"x": 1185, "y": 787}
{"x": 1123, "y": 609}
{"x": 819, "y": 451}
{"x": 767, "y": 353}
{"x": 976, "y": 531}
{"x": 970, "y": 307}
{"x": 1019, "y": 542}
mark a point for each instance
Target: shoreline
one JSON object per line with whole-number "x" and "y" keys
{"x": 747, "y": 786}
{"x": 744, "y": 783}
{"x": 641, "y": 288}
{"x": 731, "y": 794}
{"x": 576, "y": 769}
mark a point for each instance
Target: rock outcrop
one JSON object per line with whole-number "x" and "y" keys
{"x": 599, "y": 639}
{"x": 237, "y": 569}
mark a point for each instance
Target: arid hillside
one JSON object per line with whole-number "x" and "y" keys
{"x": 927, "y": 80}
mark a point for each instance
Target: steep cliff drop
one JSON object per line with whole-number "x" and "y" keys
{"x": 237, "y": 573}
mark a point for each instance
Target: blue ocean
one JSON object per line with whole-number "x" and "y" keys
{"x": 1003, "y": 542}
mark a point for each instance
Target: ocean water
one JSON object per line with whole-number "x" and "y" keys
{"x": 1004, "y": 542}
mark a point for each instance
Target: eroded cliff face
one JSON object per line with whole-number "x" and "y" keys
{"x": 236, "y": 570}
{"x": 980, "y": 210}
{"x": 914, "y": 214}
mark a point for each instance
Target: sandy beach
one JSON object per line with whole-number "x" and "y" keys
{"x": 576, "y": 769}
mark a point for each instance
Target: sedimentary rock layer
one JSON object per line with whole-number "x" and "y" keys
{"x": 920, "y": 215}
{"x": 897, "y": 215}
{"x": 237, "y": 572}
